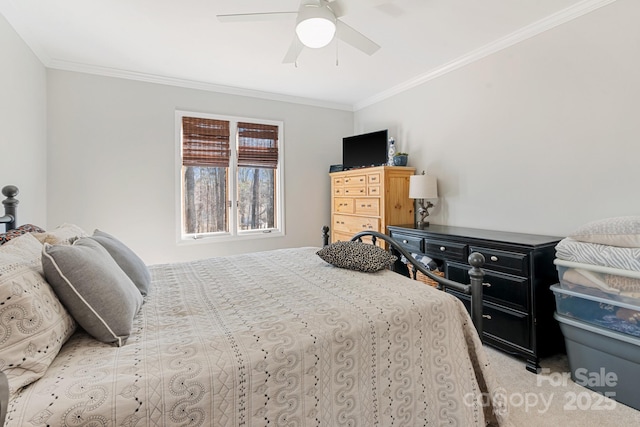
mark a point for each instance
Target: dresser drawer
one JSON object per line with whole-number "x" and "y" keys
{"x": 412, "y": 244}
{"x": 344, "y": 205}
{"x": 355, "y": 224}
{"x": 374, "y": 179}
{"x": 367, "y": 206}
{"x": 508, "y": 262}
{"x": 511, "y": 291}
{"x": 355, "y": 191}
{"x": 502, "y": 323}
{"x": 441, "y": 249}
{"x": 337, "y": 181}
{"x": 356, "y": 180}
{"x": 373, "y": 190}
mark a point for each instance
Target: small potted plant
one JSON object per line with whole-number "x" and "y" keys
{"x": 400, "y": 159}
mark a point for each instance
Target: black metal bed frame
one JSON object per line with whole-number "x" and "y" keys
{"x": 476, "y": 274}
{"x": 9, "y": 219}
{"x": 10, "y": 207}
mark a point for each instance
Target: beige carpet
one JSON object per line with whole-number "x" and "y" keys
{"x": 547, "y": 399}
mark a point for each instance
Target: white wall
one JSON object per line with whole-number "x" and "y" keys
{"x": 112, "y": 154}
{"x": 540, "y": 138}
{"x": 23, "y": 126}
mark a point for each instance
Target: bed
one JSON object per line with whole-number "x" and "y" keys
{"x": 290, "y": 341}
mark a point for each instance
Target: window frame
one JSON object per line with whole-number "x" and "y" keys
{"x": 234, "y": 234}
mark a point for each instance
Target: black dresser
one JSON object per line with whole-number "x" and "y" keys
{"x": 518, "y": 305}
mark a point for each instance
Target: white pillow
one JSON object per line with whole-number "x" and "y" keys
{"x": 623, "y": 231}
{"x": 33, "y": 323}
{"x": 62, "y": 235}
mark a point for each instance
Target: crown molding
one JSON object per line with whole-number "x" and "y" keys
{"x": 192, "y": 84}
{"x": 550, "y": 22}
{"x": 532, "y": 30}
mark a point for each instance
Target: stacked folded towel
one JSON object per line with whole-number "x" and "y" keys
{"x": 602, "y": 258}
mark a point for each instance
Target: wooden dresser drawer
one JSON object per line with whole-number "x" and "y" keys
{"x": 356, "y": 180}
{"x": 338, "y": 191}
{"x": 373, "y": 190}
{"x": 367, "y": 206}
{"x": 441, "y": 249}
{"x": 511, "y": 291}
{"x": 344, "y": 205}
{"x": 508, "y": 262}
{"x": 355, "y": 191}
{"x": 355, "y": 224}
{"x": 374, "y": 179}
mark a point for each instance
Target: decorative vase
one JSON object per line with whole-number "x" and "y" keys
{"x": 400, "y": 160}
{"x": 391, "y": 152}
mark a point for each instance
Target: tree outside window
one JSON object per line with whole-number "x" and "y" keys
{"x": 230, "y": 173}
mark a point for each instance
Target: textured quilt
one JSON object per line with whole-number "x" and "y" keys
{"x": 277, "y": 338}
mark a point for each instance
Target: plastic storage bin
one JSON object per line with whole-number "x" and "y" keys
{"x": 613, "y": 283}
{"x": 602, "y": 360}
{"x": 604, "y": 312}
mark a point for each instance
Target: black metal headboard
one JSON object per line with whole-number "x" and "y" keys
{"x": 10, "y": 207}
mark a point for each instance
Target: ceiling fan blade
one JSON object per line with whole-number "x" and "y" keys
{"x": 355, "y": 38}
{"x": 253, "y": 17}
{"x": 339, "y": 7}
{"x": 294, "y": 51}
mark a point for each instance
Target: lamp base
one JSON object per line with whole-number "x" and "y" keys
{"x": 422, "y": 224}
{"x": 423, "y": 211}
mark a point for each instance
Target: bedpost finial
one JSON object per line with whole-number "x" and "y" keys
{"x": 10, "y": 190}
{"x": 325, "y": 235}
{"x": 476, "y": 259}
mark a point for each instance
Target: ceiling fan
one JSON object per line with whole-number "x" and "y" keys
{"x": 317, "y": 23}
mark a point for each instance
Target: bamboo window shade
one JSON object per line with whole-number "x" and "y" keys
{"x": 205, "y": 142}
{"x": 257, "y": 145}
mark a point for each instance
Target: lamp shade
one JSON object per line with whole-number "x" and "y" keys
{"x": 423, "y": 187}
{"x": 316, "y": 26}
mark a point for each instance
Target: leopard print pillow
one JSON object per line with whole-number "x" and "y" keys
{"x": 357, "y": 256}
{"x": 17, "y": 232}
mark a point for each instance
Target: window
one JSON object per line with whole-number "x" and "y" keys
{"x": 230, "y": 177}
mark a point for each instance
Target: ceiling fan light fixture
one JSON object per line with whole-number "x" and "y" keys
{"x": 316, "y": 26}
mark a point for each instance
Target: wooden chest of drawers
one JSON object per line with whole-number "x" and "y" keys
{"x": 518, "y": 305}
{"x": 369, "y": 199}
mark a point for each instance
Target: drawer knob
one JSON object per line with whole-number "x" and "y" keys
{"x": 405, "y": 241}
{"x": 494, "y": 258}
{"x": 487, "y": 316}
{"x": 442, "y": 248}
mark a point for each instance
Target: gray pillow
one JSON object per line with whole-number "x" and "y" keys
{"x": 128, "y": 261}
{"x": 93, "y": 288}
{"x": 357, "y": 256}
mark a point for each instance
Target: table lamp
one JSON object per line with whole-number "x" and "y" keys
{"x": 422, "y": 187}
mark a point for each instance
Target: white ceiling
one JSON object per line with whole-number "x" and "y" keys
{"x": 182, "y": 42}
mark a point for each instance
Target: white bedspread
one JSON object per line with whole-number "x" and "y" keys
{"x": 276, "y": 338}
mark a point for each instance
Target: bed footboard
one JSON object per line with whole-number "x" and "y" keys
{"x": 476, "y": 274}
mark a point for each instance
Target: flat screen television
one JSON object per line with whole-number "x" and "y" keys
{"x": 368, "y": 149}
